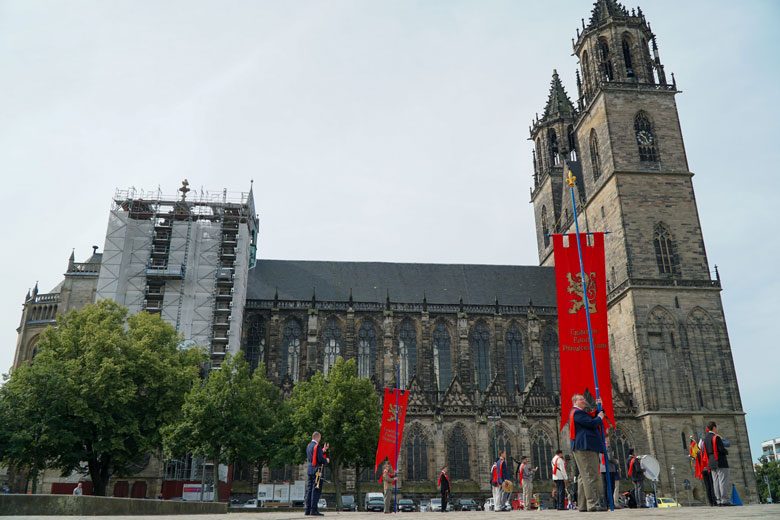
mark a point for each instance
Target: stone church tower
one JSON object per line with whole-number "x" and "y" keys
{"x": 668, "y": 338}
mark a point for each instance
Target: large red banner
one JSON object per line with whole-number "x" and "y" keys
{"x": 394, "y": 407}
{"x": 573, "y": 341}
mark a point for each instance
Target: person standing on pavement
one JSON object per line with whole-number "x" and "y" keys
{"x": 560, "y": 478}
{"x": 586, "y": 444}
{"x": 719, "y": 465}
{"x": 388, "y": 479}
{"x": 637, "y": 475}
{"x": 526, "y": 478}
{"x": 316, "y": 460}
{"x": 444, "y": 485}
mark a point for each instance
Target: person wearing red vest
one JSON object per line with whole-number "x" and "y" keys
{"x": 703, "y": 466}
{"x": 560, "y": 478}
{"x": 315, "y": 458}
{"x": 525, "y": 477}
{"x": 637, "y": 475}
{"x": 444, "y": 485}
{"x": 586, "y": 444}
{"x": 718, "y": 464}
{"x": 497, "y": 478}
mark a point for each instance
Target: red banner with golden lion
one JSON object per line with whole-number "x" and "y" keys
{"x": 394, "y": 408}
{"x": 573, "y": 340}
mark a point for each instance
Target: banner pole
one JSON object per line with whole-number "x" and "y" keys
{"x": 397, "y": 412}
{"x": 570, "y": 180}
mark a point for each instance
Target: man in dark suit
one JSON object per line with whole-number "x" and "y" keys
{"x": 586, "y": 444}
{"x": 316, "y": 459}
{"x": 444, "y": 484}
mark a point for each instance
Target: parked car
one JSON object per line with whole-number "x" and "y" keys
{"x": 435, "y": 505}
{"x": 348, "y": 503}
{"x": 450, "y": 506}
{"x": 322, "y": 504}
{"x": 375, "y": 504}
{"x": 425, "y": 505}
{"x": 406, "y": 505}
{"x": 488, "y": 505}
{"x": 252, "y": 502}
{"x": 667, "y": 502}
{"x": 370, "y": 496}
{"x": 467, "y": 504}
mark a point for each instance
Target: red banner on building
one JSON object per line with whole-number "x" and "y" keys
{"x": 573, "y": 341}
{"x": 387, "y": 445}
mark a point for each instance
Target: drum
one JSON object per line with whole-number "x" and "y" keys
{"x": 507, "y": 486}
{"x": 650, "y": 466}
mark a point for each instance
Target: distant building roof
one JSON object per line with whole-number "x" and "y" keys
{"x": 407, "y": 283}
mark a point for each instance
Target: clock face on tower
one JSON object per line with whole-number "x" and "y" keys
{"x": 644, "y": 138}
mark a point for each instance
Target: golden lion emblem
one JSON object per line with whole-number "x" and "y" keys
{"x": 575, "y": 288}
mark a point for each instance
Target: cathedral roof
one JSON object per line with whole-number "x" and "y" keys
{"x": 605, "y": 9}
{"x": 407, "y": 283}
{"x": 558, "y": 101}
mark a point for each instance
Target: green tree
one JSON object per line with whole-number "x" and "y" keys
{"x": 768, "y": 470}
{"x": 225, "y": 418}
{"x": 345, "y": 409}
{"x": 97, "y": 394}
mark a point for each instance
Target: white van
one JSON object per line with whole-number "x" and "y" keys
{"x": 369, "y": 496}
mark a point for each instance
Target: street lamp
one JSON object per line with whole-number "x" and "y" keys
{"x": 674, "y": 482}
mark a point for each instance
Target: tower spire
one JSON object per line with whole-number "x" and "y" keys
{"x": 558, "y": 102}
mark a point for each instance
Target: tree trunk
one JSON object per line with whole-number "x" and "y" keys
{"x": 34, "y": 475}
{"x": 99, "y": 472}
{"x": 216, "y": 477}
{"x": 357, "y": 487}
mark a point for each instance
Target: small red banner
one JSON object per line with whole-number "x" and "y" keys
{"x": 394, "y": 406}
{"x": 573, "y": 342}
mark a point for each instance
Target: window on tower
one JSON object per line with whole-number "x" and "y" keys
{"x": 606, "y": 62}
{"x": 645, "y": 139}
{"x": 627, "y": 57}
{"x": 545, "y": 227}
{"x": 664, "y": 250}
{"x": 572, "y": 143}
{"x": 595, "y": 159}
{"x": 552, "y": 141}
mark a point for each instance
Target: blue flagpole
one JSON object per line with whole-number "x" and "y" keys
{"x": 570, "y": 180}
{"x": 397, "y": 411}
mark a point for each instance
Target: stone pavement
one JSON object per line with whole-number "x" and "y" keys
{"x": 687, "y": 513}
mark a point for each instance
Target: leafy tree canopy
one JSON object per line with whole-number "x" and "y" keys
{"x": 97, "y": 393}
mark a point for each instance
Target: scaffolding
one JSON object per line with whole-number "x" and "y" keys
{"x": 185, "y": 258}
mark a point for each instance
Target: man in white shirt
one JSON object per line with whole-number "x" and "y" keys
{"x": 560, "y": 479}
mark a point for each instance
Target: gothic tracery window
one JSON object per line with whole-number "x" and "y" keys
{"x": 595, "y": 159}
{"x": 545, "y": 227}
{"x": 643, "y": 128}
{"x": 606, "y": 63}
{"x": 442, "y": 366}
{"x": 514, "y": 360}
{"x": 407, "y": 344}
{"x": 500, "y": 441}
{"x": 255, "y": 342}
{"x": 291, "y": 349}
{"x": 619, "y": 443}
{"x": 552, "y": 142}
{"x": 416, "y": 456}
{"x": 552, "y": 378}
{"x": 572, "y": 143}
{"x": 629, "y": 63}
{"x": 331, "y": 339}
{"x": 541, "y": 454}
{"x": 366, "y": 350}
{"x": 480, "y": 346}
{"x": 665, "y": 250}
{"x": 458, "y": 455}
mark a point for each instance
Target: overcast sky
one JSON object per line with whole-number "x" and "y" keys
{"x": 385, "y": 130}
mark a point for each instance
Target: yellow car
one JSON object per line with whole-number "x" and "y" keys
{"x": 667, "y": 502}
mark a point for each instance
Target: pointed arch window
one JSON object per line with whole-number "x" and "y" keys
{"x": 458, "y": 455}
{"x": 291, "y": 350}
{"x": 552, "y": 143}
{"x": 366, "y": 350}
{"x": 552, "y": 378}
{"x": 539, "y": 157}
{"x": 442, "y": 364}
{"x": 620, "y": 445}
{"x": 645, "y": 139}
{"x": 545, "y": 227}
{"x": 627, "y": 58}
{"x": 541, "y": 454}
{"x": 515, "y": 376}
{"x": 664, "y": 250}
{"x": 585, "y": 75}
{"x": 407, "y": 345}
{"x": 606, "y": 63}
{"x": 595, "y": 159}
{"x": 255, "y": 342}
{"x": 331, "y": 339}
{"x": 572, "y": 137}
{"x": 480, "y": 346}
{"x": 499, "y": 442}
{"x": 416, "y": 456}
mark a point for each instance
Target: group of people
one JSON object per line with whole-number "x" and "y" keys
{"x": 500, "y": 473}
{"x": 712, "y": 466}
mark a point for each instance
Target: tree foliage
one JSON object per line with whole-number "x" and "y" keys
{"x": 345, "y": 409}
{"x": 227, "y": 418}
{"x": 768, "y": 470}
{"x": 97, "y": 394}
